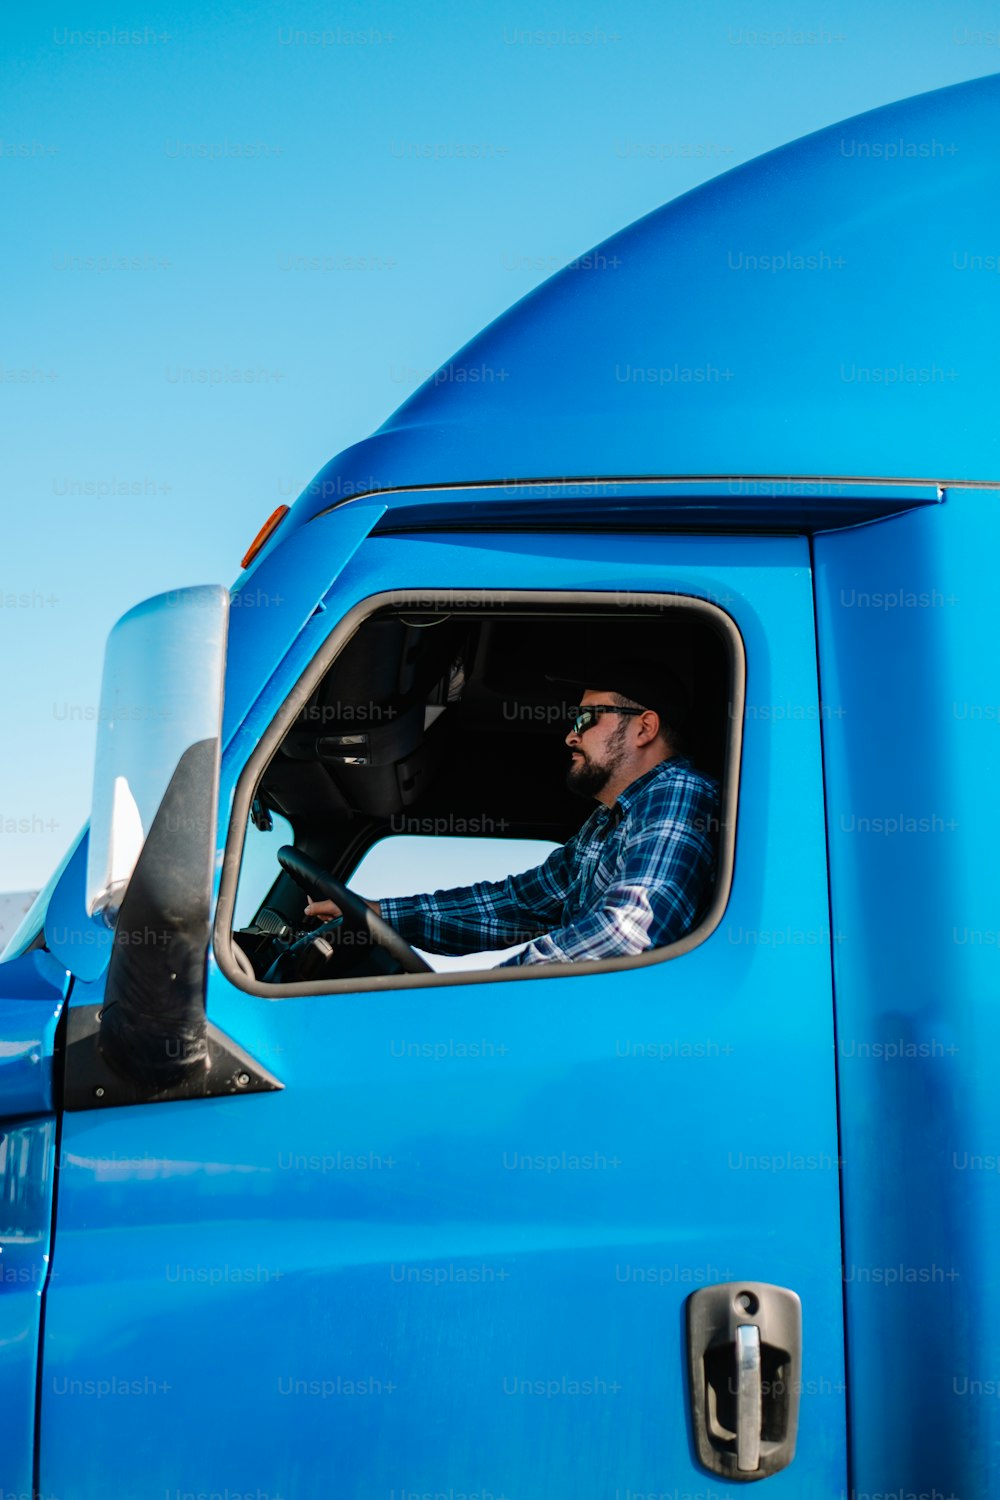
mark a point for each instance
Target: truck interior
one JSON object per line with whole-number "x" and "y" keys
{"x": 441, "y": 714}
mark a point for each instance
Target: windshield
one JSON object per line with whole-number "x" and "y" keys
{"x": 31, "y": 924}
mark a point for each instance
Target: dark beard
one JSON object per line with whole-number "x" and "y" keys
{"x": 586, "y": 780}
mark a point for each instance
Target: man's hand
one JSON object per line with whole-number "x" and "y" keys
{"x": 326, "y": 910}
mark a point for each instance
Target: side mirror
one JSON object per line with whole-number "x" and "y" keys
{"x": 161, "y": 702}
{"x": 152, "y": 837}
{"x": 151, "y": 861}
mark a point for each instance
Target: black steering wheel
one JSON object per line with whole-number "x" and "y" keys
{"x": 358, "y": 915}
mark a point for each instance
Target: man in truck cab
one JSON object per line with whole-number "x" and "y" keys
{"x": 635, "y": 876}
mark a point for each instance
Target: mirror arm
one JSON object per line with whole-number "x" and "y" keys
{"x": 153, "y": 1026}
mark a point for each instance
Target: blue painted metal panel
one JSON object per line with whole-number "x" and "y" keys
{"x": 27, "y": 1153}
{"x": 272, "y": 600}
{"x": 826, "y": 309}
{"x": 32, "y": 993}
{"x": 32, "y": 990}
{"x": 907, "y": 640}
{"x": 453, "y": 1253}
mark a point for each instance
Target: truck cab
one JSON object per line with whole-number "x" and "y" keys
{"x": 299, "y": 1210}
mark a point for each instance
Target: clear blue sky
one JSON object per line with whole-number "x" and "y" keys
{"x": 335, "y": 198}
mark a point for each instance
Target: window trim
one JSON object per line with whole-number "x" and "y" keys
{"x": 516, "y": 600}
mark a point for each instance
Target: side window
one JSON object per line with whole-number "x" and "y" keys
{"x": 259, "y": 869}
{"x": 410, "y": 864}
{"x": 429, "y": 747}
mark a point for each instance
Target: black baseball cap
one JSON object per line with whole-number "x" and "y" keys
{"x": 647, "y": 683}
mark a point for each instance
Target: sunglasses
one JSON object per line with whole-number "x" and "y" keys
{"x": 586, "y": 717}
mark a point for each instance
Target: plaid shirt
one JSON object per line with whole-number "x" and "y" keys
{"x": 632, "y": 878}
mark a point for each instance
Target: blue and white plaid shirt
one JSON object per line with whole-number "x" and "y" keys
{"x": 632, "y": 878}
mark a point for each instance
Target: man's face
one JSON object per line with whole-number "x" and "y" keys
{"x": 597, "y": 753}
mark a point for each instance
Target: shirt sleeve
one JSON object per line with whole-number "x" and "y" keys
{"x": 490, "y": 914}
{"x": 655, "y": 894}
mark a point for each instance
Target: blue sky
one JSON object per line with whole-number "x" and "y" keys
{"x": 334, "y": 199}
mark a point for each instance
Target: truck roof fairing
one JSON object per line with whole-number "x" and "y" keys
{"x": 831, "y": 308}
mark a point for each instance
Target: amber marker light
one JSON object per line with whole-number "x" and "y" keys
{"x": 271, "y": 525}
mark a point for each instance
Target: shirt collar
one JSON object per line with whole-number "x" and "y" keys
{"x": 638, "y": 786}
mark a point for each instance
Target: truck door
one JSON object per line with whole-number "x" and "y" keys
{"x": 454, "y": 1255}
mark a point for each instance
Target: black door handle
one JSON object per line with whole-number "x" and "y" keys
{"x": 745, "y": 1367}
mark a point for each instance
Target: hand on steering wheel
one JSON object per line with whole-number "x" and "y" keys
{"x": 324, "y": 911}
{"x": 356, "y": 912}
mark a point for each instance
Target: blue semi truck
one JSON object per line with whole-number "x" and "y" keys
{"x": 296, "y": 1211}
